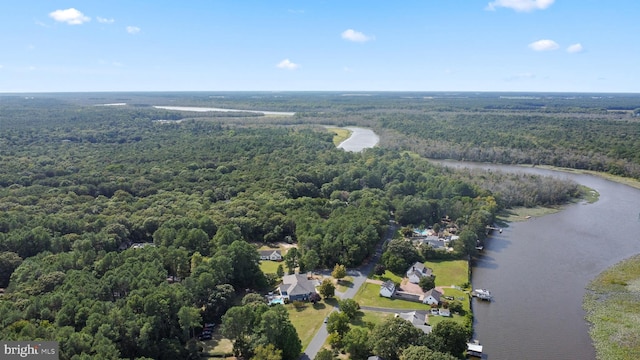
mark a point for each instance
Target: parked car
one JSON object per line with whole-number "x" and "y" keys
{"x": 203, "y": 337}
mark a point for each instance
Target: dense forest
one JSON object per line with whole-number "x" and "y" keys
{"x": 123, "y": 229}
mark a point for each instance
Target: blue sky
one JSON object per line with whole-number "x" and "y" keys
{"x": 371, "y": 45}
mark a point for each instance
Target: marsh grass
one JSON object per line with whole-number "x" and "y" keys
{"x": 612, "y": 304}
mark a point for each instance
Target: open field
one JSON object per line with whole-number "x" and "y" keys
{"x": 450, "y": 272}
{"x": 271, "y": 267}
{"x": 218, "y": 346}
{"x": 613, "y": 309}
{"x": 309, "y": 319}
{"x": 388, "y": 275}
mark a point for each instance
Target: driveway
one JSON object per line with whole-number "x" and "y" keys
{"x": 359, "y": 276}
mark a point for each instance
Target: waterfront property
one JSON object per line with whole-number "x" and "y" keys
{"x": 417, "y": 271}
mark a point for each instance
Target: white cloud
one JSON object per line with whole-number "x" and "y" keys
{"x": 104, "y": 20}
{"x": 355, "y": 36}
{"x": 520, "y": 5}
{"x": 544, "y": 45}
{"x": 575, "y": 48}
{"x": 70, "y": 16}
{"x": 133, "y": 29}
{"x": 287, "y": 64}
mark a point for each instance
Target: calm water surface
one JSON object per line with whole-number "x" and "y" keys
{"x": 360, "y": 139}
{"x": 537, "y": 271}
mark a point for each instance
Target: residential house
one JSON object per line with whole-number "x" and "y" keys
{"x": 417, "y": 319}
{"x": 273, "y": 255}
{"x": 297, "y": 287}
{"x": 418, "y": 271}
{"x": 432, "y": 297}
{"x": 387, "y": 289}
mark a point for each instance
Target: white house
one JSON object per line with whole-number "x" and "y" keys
{"x": 418, "y": 271}
{"x": 432, "y": 297}
{"x": 444, "y": 312}
{"x": 387, "y": 289}
{"x": 273, "y": 255}
{"x": 419, "y": 320}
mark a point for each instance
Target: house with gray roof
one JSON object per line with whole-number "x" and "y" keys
{"x": 387, "y": 289}
{"x": 432, "y": 297}
{"x": 418, "y": 271}
{"x": 417, "y": 319}
{"x": 273, "y": 255}
{"x": 297, "y": 287}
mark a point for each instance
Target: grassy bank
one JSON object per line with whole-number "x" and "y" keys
{"x": 612, "y": 304}
{"x": 341, "y": 135}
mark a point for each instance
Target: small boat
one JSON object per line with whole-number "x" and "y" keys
{"x": 474, "y": 349}
{"x": 482, "y": 294}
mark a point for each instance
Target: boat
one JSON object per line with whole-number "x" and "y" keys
{"x": 482, "y": 294}
{"x": 474, "y": 349}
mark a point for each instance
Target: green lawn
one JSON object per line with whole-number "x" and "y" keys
{"x": 218, "y": 346}
{"x": 308, "y": 320}
{"x": 344, "y": 284}
{"x": 449, "y": 272}
{"x": 365, "y": 318}
{"x": 388, "y": 275}
{"x": 369, "y": 295}
{"x": 270, "y": 267}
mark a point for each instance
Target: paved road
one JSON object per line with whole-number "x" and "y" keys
{"x": 359, "y": 276}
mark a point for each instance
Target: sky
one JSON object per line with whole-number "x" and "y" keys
{"x": 318, "y": 45}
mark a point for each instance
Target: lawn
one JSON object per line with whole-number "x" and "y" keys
{"x": 450, "y": 272}
{"x": 309, "y": 319}
{"x": 270, "y": 267}
{"x": 218, "y": 346}
{"x": 388, "y": 275}
{"x": 366, "y": 318}
{"x": 369, "y": 295}
{"x": 345, "y": 284}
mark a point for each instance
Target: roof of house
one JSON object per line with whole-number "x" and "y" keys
{"x": 416, "y": 319}
{"x": 389, "y": 285}
{"x": 433, "y": 293}
{"x": 297, "y": 284}
{"x": 269, "y": 252}
{"x": 419, "y": 269}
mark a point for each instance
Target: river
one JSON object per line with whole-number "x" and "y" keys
{"x": 537, "y": 271}
{"x": 360, "y": 139}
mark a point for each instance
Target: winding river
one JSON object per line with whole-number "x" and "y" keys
{"x": 538, "y": 269}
